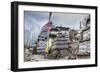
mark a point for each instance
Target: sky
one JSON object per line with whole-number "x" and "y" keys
{"x": 34, "y": 20}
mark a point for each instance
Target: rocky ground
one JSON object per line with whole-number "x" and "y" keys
{"x": 42, "y": 58}
{"x": 28, "y": 56}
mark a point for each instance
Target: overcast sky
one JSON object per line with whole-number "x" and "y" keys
{"x": 33, "y": 21}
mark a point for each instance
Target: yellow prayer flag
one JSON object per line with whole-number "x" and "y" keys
{"x": 46, "y": 47}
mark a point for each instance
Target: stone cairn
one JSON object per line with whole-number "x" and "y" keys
{"x": 64, "y": 46}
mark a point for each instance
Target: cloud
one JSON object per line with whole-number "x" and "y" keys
{"x": 33, "y": 22}
{"x": 67, "y": 19}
